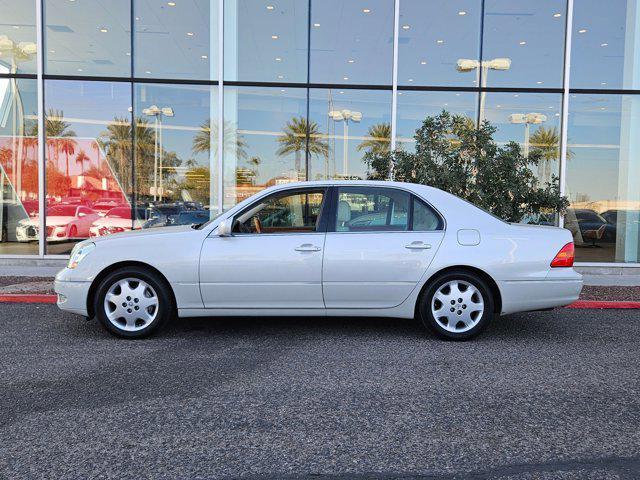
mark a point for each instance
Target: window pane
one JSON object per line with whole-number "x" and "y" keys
{"x": 533, "y": 121}
{"x": 604, "y": 52}
{"x": 88, "y": 158}
{"x": 88, "y": 38}
{"x": 530, "y": 36}
{"x": 17, "y": 37}
{"x": 176, "y": 39}
{"x": 349, "y": 123}
{"x": 264, "y": 139}
{"x": 174, "y": 137}
{"x": 18, "y": 167}
{"x": 368, "y": 209}
{"x": 415, "y": 107}
{"x": 352, "y": 42}
{"x": 264, "y": 41}
{"x": 603, "y": 169}
{"x": 424, "y": 218}
{"x": 299, "y": 212}
{"x": 433, "y": 36}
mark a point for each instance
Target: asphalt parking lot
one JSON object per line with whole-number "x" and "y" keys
{"x": 542, "y": 395}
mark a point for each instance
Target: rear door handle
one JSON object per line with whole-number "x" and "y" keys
{"x": 307, "y": 247}
{"x": 418, "y": 246}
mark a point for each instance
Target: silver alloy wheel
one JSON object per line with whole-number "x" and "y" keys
{"x": 457, "y": 306}
{"x": 131, "y": 304}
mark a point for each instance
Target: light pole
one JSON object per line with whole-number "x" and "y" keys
{"x": 528, "y": 119}
{"x": 345, "y": 116}
{"x": 467, "y": 65}
{"x": 157, "y": 113}
{"x": 18, "y": 52}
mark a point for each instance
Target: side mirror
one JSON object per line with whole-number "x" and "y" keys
{"x": 225, "y": 227}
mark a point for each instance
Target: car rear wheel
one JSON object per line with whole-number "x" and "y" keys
{"x": 457, "y": 305}
{"x": 133, "y": 302}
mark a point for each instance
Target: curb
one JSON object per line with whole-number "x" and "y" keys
{"x": 604, "y": 304}
{"x": 593, "y": 304}
{"x": 27, "y": 298}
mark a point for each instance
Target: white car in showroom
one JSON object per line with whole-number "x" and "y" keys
{"x": 334, "y": 248}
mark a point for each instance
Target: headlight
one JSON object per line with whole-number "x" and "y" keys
{"x": 78, "y": 253}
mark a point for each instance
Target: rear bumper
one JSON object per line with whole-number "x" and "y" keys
{"x": 72, "y": 296}
{"x": 561, "y": 287}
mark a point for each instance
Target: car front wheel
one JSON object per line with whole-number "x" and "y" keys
{"x": 133, "y": 302}
{"x": 457, "y": 305}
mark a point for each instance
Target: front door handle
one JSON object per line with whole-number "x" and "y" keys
{"x": 307, "y": 247}
{"x": 418, "y": 246}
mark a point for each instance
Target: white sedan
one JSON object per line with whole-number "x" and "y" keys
{"x": 334, "y": 248}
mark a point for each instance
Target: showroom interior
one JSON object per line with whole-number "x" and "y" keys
{"x": 129, "y": 114}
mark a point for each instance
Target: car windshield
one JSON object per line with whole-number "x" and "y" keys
{"x": 120, "y": 212}
{"x": 62, "y": 211}
{"x": 200, "y": 226}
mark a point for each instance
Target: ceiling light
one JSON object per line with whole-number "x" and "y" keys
{"x": 399, "y": 93}
{"x": 171, "y": 4}
{"x": 557, "y": 15}
{"x": 52, "y": 51}
{"x": 423, "y": 62}
{"x": 138, "y": 18}
{"x": 516, "y": 95}
{"x": 345, "y": 78}
{"x": 498, "y": 106}
{"x": 189, "y": 34}
{"x": 457, "y": 94}
{"x": 557, "y": 114}
{"x": 462, "y": 12}
{"x": 204, "y": 57}
{"x": 410, "y": 80}
{"x": 539, "y": 83}
{"x": 604, "y": 44}
{"x": 602, "y": 108}
{"x": 439, "y": 42}
{"x": 350, "y": 61}
{"x": 270, "y": 7}
{"x": 406, "y": 27}
{"x": 523, "y": 43}
{"x": 341, "y": 92}
{"x": 582, "y": 30}
{"x": 603, "y": 83}
{"x": 283, "y": 90}
{"x": 366, "y": 10}
{"x": 316, "y": 24}
{"x": 16, "y": 27}
{"x": 128, "y": 54}
{"x": 280, "y": 77}
{"x": 278, "y": 59}
{"x": 104, "y": 30}
{"x": 79, "y": 69}
{"x": 148, "y": 72}
{"x": 274, "y": 37}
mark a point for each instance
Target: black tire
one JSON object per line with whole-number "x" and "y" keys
{"x": 165, "y": 304}
{"x": 436, "y": 325}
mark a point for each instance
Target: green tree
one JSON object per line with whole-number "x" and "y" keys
{"x": 378, "y": 139}
{"x": 57, "y": 129}
{"x": 294, "y": 140}
{"x": 455, "y": 156}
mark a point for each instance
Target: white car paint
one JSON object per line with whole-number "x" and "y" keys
{"x": 336, "y": 273}
{"x": 59, "y": 227}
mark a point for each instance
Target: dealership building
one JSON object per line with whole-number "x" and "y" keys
{"x": 126, "y": 114}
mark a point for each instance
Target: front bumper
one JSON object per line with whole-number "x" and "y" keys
{"x": 72, "y": 295}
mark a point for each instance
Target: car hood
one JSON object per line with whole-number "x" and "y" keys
{"x": 145, "y": 233}
{"x": 51, "y": 221}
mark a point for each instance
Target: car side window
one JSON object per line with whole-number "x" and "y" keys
{"x": 286, "y": 212}
{"x": 425, "y": 219}
{"x": 372, "y": 209}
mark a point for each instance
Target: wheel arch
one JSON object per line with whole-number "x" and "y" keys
{"x": 117, "y": 266}
{"x": 488, "y": 279}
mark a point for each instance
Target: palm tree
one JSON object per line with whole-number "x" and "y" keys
{"x": 233, "y": 142}
{"x": 68, "y": 147}
{"x": 379, "y": 139}
{"x": 295, "y": 140}
{"x": 56, "y": 128}
{"x": 81, "y": 158}
{"x": 116, "y": 142}
{"x": 546, "y": 141}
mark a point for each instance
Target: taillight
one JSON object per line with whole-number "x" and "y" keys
{"x": 565, "y": 256}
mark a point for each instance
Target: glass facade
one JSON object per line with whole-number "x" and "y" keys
{"x": 141, "y": 113}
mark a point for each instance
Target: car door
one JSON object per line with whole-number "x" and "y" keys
{"x": 273, "y": 259}
{"x": 380, "y": 241}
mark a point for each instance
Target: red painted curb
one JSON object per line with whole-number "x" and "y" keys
{"x": 27, "y": 298}
{"x": 603, "y": 304}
